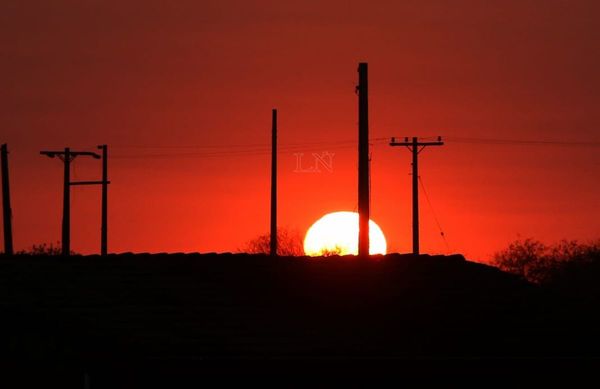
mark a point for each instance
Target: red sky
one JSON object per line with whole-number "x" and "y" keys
{"x": 164, "y": 79}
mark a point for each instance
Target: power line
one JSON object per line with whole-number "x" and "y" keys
{"x": 251, "y": 151}
{"x": 524, "y": 142}
{"x": 257, "y": 149}
{"x": 199, "y": 150}
{"x": 216, "y": 151}
{"x": 434, "y": 214}
{"x": 239, "y": 145}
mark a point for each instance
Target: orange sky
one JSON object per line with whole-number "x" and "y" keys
{"x": 153, "y": 78}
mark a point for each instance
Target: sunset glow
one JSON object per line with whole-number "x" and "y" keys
{"x": 337, "y": 233}
{"x": 182, "y": 93}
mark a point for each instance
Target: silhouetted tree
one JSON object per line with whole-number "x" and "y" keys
{"x": 539, "y": 263}
{"x": 289, "y": 242}
{"x": 525, "y": 258}
{"x": 577, "y": 273}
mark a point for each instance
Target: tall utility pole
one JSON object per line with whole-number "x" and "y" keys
{"x": 104, "y": 227}
{"x": 67, "y": 156}
{"x": 415, "y": 147}
{"x": 66, "y": 219}
{"x": 6, "y": 210}
{"x": 363, "y": 160}
{"x": 273, "y": 241}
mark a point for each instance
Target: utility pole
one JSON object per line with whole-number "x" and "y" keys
{"x": 67, "y": 156}
{"x": 415, "y": 148}
{"x": 66, "y": 219}
{"x": 104, "y": 226}
{"x": 6, "y": 210}
{"x": 273, "y": 241}
{"x": 363, "y": 160}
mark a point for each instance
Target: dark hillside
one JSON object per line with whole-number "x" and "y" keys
{"x": 232, "y": 310}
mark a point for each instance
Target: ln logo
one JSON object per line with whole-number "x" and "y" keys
{"x": 324, "y": 159}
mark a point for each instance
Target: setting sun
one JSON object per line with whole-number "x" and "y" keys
{"x": 337, "y": 233}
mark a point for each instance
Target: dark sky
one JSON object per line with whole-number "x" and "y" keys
{"x": 182, "y": 92}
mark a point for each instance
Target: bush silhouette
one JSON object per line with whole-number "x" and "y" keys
{"x": 337, "y": 250}
{"x": 44, "y": 249}
{"x": 540, "y": 263}
{"x": 289, "y": 242}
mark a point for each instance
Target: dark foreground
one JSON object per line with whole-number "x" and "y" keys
{"x": 147, "y": 318}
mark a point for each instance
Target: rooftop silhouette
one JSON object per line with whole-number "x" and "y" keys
{"x": 198, "y": 311}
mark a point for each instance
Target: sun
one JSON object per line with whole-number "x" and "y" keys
{"x": 337, "y": 233}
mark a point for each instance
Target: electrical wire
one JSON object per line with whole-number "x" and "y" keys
{"x": 263, "y": 149}
{"x": 130, "y": 151}
{"x": 524, "y": 142}
{"x": 253, "y": 149}
{"x": 434, "y": 214}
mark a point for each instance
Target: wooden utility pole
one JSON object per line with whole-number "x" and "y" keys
{"x": 363, "y": 160}
{"x": 6, "y": 210}
{"x": 415, "y": 147}
{"x": 66, "y": 219}
{"x": 273, "y": 240}
{"x": 104, "y": 226}
{"x": 67, "y": 156}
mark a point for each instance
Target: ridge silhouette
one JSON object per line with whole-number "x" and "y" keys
{"x": 201, "y": 312}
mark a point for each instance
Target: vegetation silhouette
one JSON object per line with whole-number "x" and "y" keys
{"x": 44, "y": 249}
{"x": 337, "y": 250}
{"x": 544, "y": 264}
{"x": 289, "y": 243}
